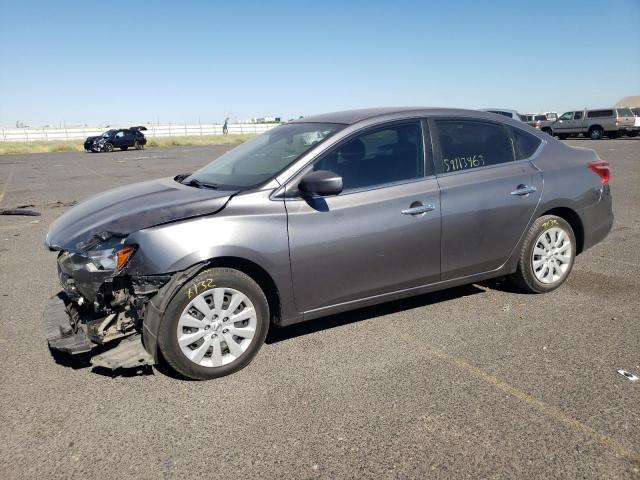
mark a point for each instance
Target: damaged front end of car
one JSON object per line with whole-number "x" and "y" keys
{"x": 100, "y": 302}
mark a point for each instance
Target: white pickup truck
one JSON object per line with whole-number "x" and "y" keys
{"x": 595, "y": 124}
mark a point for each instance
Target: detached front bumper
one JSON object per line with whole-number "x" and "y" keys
{"x": 67, "y": 332}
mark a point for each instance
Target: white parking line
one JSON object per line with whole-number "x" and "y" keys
{"x": 4, "y": 188}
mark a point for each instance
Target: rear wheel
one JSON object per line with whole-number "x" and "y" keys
{"x": 595, "y": 133}
{"x": 137, "y": 145}
{"x": 215, "y": 324}
{"x": 547, "y": 255}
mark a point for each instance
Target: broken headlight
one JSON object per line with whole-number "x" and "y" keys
{"x": 114, "y": 258}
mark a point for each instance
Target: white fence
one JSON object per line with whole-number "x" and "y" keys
{"x": 168, "y": 130}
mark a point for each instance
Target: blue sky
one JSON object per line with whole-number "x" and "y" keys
{"x": 130, "y": 62}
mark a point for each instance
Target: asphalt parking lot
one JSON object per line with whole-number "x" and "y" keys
{"x": 476, "y": 382}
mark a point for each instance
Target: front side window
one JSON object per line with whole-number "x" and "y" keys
{"x": 469, "y": 144}
{"x": 376, "y": 157}
{"x": 120, "y": 134}
{"x": 566, "y": 116}
{"x": 577, "y": 116}
{"x": 256, "y": 161}
{"x": 109, "y": 133}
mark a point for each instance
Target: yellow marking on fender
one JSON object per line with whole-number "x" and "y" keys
{"x": 548, "y": 410}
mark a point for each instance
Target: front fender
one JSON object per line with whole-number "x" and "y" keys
{"x": 251, "y": 227}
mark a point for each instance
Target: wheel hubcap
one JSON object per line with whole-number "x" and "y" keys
{"x": 552, "y": 255}
{"x": 217, "y": 327}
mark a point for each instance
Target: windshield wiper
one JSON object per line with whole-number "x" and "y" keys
{"x": 194, "y": 182}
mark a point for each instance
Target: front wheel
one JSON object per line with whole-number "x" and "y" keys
{"x": 107, "y": 147}
{"x": 215, "y": 324}
{"x": 547, "y": 255}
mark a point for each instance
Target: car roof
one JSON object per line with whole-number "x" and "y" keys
{"x": 349, "y": 117}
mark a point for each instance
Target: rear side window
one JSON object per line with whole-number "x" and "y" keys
{"x": 541, "y": 118}
{"x": 524, "y": 143}
{"x": 469, "y": 144}
{"x": 624, "y": 112}
{"x": 600, "y": 113}
{"x": 577, "y": 116}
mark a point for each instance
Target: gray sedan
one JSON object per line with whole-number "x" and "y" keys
{"x": 318, "y": 216}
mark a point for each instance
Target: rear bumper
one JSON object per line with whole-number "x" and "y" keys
{"x": 597, "y": 220}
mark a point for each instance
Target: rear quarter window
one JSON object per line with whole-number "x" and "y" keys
{"x": 524, "y": 144}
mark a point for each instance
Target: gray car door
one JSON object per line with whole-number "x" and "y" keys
{"x": 487, "y": 196}
{"x": 381, "y": 234}
{"x": 564, "y": 124}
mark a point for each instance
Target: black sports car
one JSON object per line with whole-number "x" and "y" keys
{"x": 121, "y": 138}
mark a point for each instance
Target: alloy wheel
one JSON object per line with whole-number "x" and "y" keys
{"x": 216, "y": 327}
{"x": 552, "y": 255}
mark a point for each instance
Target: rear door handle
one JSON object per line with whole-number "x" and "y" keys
{"x": 523, "y": 190}
{"x": 418, "y": 209}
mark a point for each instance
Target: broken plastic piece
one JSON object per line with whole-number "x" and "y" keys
{"x": 628, "y": 375}
{"x": 129, "y": 353}
{"x": 29, "y": 213}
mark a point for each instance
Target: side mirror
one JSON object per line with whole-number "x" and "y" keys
{"x": 321, "y": 182}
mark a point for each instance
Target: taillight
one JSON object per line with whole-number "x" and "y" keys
{"x": 600, "y": 168}
{"x": 537, "y": 124}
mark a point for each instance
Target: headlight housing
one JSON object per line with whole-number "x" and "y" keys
{"x": 110, "y": 254}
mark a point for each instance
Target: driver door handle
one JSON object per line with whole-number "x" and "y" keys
{"x": 418, "y": 209}
{"x": 522, "y": 190}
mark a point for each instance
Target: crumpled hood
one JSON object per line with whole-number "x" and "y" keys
{"x": 124, "y": 210}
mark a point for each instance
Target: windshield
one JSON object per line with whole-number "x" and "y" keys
{"x": 261, "y": 158}
{"x": 109, "y": 133}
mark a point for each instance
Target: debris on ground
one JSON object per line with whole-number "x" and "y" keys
{"x": 19, "y": 211}
{"x": 58, "y": 203}
{"x": 628, "y": 375}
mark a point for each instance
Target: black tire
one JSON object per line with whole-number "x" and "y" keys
{"x": 525, "y": 277}
{"x": 548, "y": 131}
{"x": 107, "y": 147}
{"x": 208, "y": 280}
{"x": 137, "y": 145}
{"x": 595, "y": 133}
{"x": 563, "y": 136}
{"x": 124, "y": 149}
